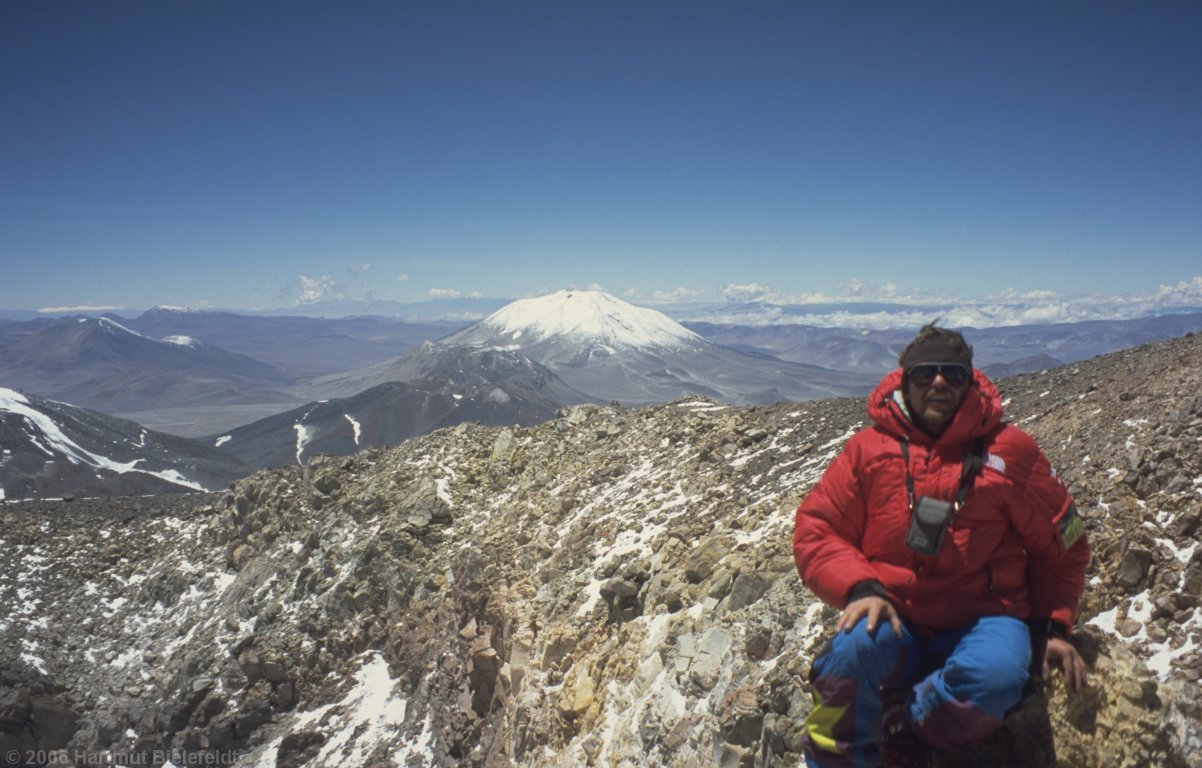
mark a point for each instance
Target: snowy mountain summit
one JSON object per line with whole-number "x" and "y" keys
{"x": 613, "y": 350}
{"x": 583, "y": 317}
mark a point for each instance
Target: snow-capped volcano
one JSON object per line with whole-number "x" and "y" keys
{"x": 613, "y": 350}
{"x": 582, "y": 317}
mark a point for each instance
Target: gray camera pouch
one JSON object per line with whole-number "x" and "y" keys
{"x": 930, "y": 517}
{"x": 928, "y": 525}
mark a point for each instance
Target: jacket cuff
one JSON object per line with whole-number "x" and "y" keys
{"x": 867, "y": 588}
{"x": 1043, "y": 628}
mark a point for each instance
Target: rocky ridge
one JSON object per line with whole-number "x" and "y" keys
{"x": 611, "y": 587}
{"x": 434, "y": 387}
{"x": 51, "y": 450}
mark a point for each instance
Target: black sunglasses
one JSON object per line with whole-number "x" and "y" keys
{"x": 955, "y": 374}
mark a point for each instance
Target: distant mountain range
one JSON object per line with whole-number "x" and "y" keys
{"x": 102, "y": 364}
{"x": 275, "y": 390}
{"x": 174, "y": 369}
{"x": 519, "y": 365}
{"x": 303, "y": 346}
{"x": 877, "y": 350}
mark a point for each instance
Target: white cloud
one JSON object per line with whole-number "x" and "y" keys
{"x": 354, "y": 268}
{"x": 1044, "y": 313}
{"x": 1184, "y": 292}
{"x": 402, "y": 277}
{"x": 79, "y": 308}
{"x": 451, "y": 293}
{"x": 747, "y": 292}
{"x": 856, "y": 291}
{"x": 852, "y": 291}
{"x": 1010, "y": 294}
{"x": 314, "y": 289}
{"x": 675, "y": 295}
{"x": 854, "y": 307}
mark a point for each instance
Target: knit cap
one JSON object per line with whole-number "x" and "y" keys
{"x": 937, "y": 349}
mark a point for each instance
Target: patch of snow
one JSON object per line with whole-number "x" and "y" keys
{"x": 1161, "y": 662}
{"x": 1107, "y": 621}
{"x": 702, "y": 405}
{"x": 174, "y": 476}
{"x": 222, "y": 581}
{"x": 1160, "y": 657}
{"x": 420, "y": 747}
{"x": 442, "y": 491}
{"x": 498, "y": 395}
{"x": 222, "y": 441}
{"x": 37, "y": 662}
{"x": 367, "y": 715}
{"x": 182, "y": 341}
{"x": 302, "y": 438}
{"x": 131, "y": 657}
{"x": 1140, "y": 607}
{"x": 1185, "y": 555}
{"x": 104, "y": 322}
{"x": 355, "y": 426}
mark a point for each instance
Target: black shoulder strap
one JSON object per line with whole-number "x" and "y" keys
{"x": 905, "y": 449}
{"x": 968, "y": 472}
{"x": 972, "y": 467}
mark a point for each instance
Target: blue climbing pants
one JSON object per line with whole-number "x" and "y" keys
{"x": 964, "y": 681}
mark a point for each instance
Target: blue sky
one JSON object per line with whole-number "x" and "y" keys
{"x": 256, "y": 155}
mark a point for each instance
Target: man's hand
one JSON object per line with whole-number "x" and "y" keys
{"x": 1061, "y": 654}
{"x": 875, "y": 608}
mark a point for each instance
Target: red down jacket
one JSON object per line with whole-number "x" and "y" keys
{"x": 1005, "y": 553}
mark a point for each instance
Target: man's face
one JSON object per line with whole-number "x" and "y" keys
{"x": 934, "y": 392}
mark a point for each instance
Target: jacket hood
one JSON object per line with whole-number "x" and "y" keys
{"x": 980, "y": 411}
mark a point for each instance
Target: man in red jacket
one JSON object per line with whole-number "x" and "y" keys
{"x": 952, "y": 549}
